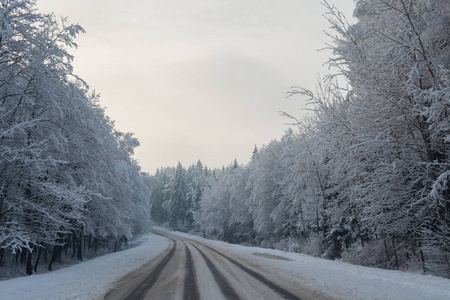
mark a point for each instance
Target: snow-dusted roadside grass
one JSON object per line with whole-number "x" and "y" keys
{"x": 339, "y": 279}
{"x": 87, "y": 280}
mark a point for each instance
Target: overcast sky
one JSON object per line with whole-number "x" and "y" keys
{"x": 198, "y": 79}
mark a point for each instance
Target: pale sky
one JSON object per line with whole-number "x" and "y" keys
{"x": 198, "y": 79}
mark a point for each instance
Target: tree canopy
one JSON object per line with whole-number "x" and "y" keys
{"x": 67, "y": 176}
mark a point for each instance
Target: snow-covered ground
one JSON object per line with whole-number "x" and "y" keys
{"x": 87, "y": 280}
{"x": 93, "y": 278}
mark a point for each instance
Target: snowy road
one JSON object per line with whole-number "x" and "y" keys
{"x": 190, "y": 269}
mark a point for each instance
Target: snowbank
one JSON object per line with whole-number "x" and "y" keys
{"x": 86, "y": 280}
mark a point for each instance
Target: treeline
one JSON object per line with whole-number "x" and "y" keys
{"x": 68, "y": 183}
{"x": 176, "y": 194}
{"x": 365, "y": 177}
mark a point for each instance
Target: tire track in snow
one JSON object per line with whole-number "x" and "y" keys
{"x": 151, "y": 279}
{"x": 279, "y": 290}
{"x": 221, "y": 281}
{"x": 190, "y": 285}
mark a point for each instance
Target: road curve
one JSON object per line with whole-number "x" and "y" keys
{"x": 190, "y": 269}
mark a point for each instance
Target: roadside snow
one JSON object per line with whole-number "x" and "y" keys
{"x": 86, "y": 280}
{"x": 338, "y": 279}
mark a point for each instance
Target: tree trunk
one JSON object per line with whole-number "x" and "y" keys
{"x": 23, "y": 256}
{"x": 29, "y": 265}
{"x": 387, "y": 252}
{"x": 359, "y": 228}
{"x": 422, "y": 257}
{"x": 95, "y": 244}
{"x": 80, "y": 248}
{"x": 45, "y": 255}
{"x": 37, "y": 259}
{"x": 55, "y": 255}
{"x": 67, "y": 244}
{"x": 395, "y": 254}
{"x": 74, "y": 245}
{"x": 2, "y": 255}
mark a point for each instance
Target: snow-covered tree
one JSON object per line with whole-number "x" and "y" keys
{"x": 179, "y": 206}
{"x": 66, "y": 175}
{"x": 365, "y": 177}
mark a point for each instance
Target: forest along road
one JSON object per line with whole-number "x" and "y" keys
{"x": 190, "y": 269}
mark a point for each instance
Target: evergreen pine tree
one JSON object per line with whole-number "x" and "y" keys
{"x": 178, "y": 207}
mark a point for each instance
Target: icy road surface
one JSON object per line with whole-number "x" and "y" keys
{"x": 190, "y": 269}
